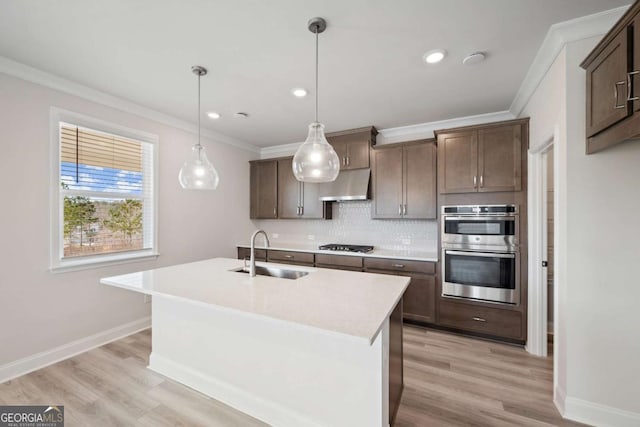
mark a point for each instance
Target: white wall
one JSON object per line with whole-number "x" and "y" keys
{"x": 598, "y": 332}
{"x": 40, "y": 310}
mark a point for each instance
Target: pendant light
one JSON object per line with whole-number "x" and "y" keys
{"x": 197, "y": 173}
{"x": 316, "y": 160}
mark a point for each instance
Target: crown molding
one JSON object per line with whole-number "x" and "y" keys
{"x": 402, "y": 133}
{"x": 557, "y": 37}
{"x": 34, "y": 75}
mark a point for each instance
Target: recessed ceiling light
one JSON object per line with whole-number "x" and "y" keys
{"x": 213, "y": 115}
{"x": 241, "y": 115}
{"x": 434, "y": 56}
{"x": 474, "y": 58}
{"x": 298, "y": 92}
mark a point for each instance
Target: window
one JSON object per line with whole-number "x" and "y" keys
{"x": 105, "y": 195}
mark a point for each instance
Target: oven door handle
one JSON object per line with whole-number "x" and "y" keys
{"x": 481, "y": 254}
{"x": 480, "y": 218}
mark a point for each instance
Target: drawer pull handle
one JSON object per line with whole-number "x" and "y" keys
{"x": 478, "y": 319}
{"x": 398, "y": 265}
{"x": 289, "y": 256}
{"x": 615, "y": 95}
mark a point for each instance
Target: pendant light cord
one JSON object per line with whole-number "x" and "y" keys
{"x": 199, "y": 145}
{"x": 316, "y": 74}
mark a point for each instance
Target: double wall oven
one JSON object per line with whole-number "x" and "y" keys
{"x": 480, "y": 253}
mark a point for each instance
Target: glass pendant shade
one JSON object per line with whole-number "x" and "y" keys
{"x": 198, "y": 173}
{"x": 316, "y": 160}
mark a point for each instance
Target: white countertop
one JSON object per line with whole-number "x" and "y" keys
{"x": 344, "y": 302}
{"x": 406, "y": 254}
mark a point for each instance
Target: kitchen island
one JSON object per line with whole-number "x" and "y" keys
{"x": 322, "y": 349}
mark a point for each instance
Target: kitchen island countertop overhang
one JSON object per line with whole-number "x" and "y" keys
{"x": 352, "y": 303}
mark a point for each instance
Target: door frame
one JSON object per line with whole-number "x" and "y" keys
{"x": 537, "y": 313}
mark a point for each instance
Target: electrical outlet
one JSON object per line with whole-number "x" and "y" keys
{"x": 311, "y": 236}
{"x": 275, "y": 235}
{"x": 147, "y": 299}
{"x": 406, "y": 241}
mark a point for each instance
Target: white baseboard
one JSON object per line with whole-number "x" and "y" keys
{"x": 37, "y": 361}
{"x": 594, "y": 414}
{"x": 241, "y": 400}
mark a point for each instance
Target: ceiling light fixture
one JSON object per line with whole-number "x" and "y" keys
{"x": 299, "y": 92}
{"x": 197, "y": 173}
{"x": 213, "y": 115}
{"x": 434, "y": 56}
{"x": 316, "y": 160}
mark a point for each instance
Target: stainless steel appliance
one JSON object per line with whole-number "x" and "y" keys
{"x": 345, "y": 248}
{"x": 480, "y": 253}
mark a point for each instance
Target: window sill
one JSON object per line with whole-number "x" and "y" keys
{"x": 86, "y": 263}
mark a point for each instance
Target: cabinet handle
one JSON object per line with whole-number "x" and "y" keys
{"x": 289, "y": 256}
{"x": 275, "y": 213}
{"x": 348, "y": 160}
{"x": 400, "y": 209}
{"x": 478, "y": 319}
{"x": 344, "y": 161}
{"x": 397, "y": 265}
{"x": 404, "y": 210}
{"x": 301, "y": 210}
{"x": 630, "y": 86}
{"x": 475, "y": 181}
{"x": 481, "y": 180}
{"x": 615, "y": 95}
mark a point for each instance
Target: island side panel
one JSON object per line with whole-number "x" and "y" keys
{"x": 396, "y": 361}
{"x": 282, "y": 373}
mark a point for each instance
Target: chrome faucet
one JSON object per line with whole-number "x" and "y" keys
{"x": 252, "y": 262}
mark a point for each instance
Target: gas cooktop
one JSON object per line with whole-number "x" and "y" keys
{"x": 345, "y": 248}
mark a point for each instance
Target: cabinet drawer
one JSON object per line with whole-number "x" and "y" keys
{"x": 331, "y": 261}
{"x": 261, "y": 254}
{"x": 400, "y": 265}
{"x": 290, "y": 257}
{"x": 491, "y": 321}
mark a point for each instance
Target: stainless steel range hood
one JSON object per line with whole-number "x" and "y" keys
{"x": 349, "y": 185}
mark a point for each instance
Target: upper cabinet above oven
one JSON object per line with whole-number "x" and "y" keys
{"x": 482, "y": 159}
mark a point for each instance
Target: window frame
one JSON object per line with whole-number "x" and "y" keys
{"x": 56, "y": 195}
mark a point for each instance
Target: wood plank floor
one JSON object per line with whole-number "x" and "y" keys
{"x": 449, "y": 381}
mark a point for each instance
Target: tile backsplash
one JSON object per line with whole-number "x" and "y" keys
{"x": 352, "y": 224}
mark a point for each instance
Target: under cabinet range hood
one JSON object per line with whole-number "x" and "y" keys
{"x": 349, "y": 185}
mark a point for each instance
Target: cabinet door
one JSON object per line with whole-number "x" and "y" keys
{"x": 340, "y": 146}
{"x": 387, "y": 182}
{"x": 264, "y": 189}
{"x": 357, "y": 155}
{"x": 419, "y": 299}
{"x": 312, "y": 206}
{"x": 500, "y": 158}
{"x": 289, "y": 190}
{"x": 607, "y": 86}
{"x": 458, "y": 162}
{"x": 420, "y": 181}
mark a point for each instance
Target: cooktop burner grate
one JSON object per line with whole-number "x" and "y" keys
{"x": 346, "y": 248}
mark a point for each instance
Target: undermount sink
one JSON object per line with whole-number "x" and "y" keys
{"x": 275, "y": 272}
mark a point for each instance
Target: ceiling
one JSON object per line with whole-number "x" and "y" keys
{"x": 371, "y": 68}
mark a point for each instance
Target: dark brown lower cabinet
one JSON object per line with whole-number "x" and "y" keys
{"x": 245, "y": 253}
{"x": 290, "y": 257}
{"x": 481, "y": 319}
{"x": 339, "y": 262}
{"x": 419, "y": 301}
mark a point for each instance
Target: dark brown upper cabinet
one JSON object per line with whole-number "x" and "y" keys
{"x": 352, "y": 146}
{"x": 298, "y": 199}
{"x": 264, "y": 189}
{"x": 613, "y": 75}
{"x": 404, "y": 181}
{"x": 481, "y": 159}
